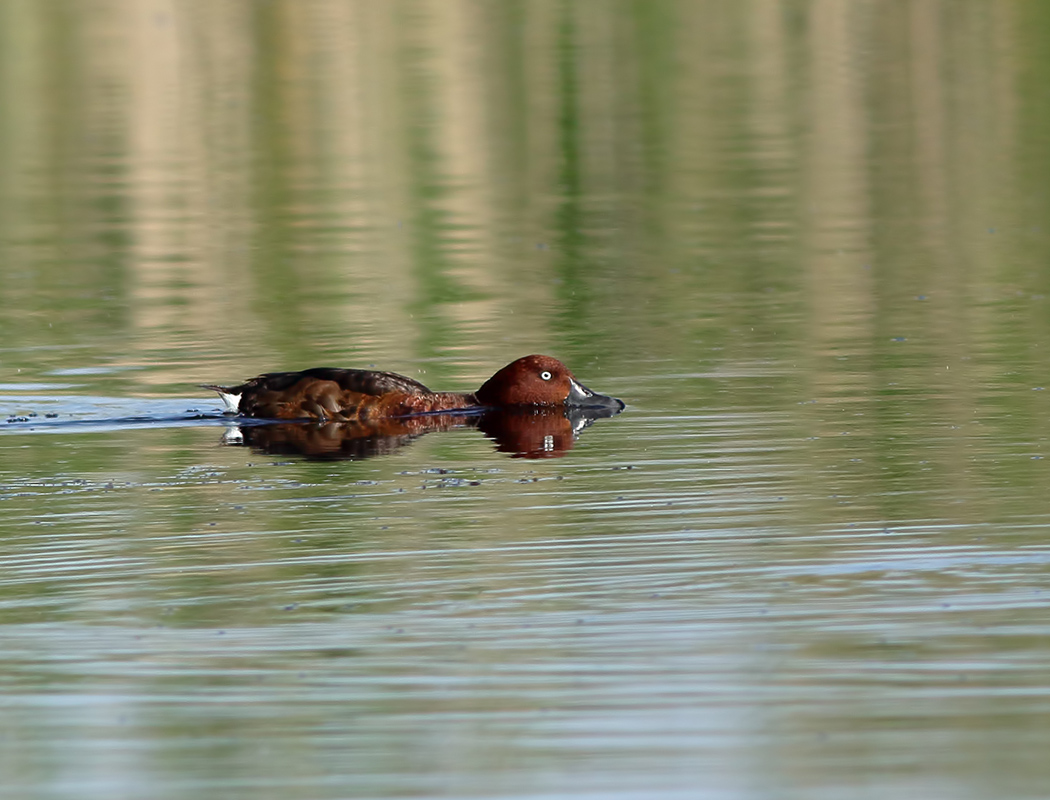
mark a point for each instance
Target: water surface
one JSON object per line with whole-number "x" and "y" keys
{"x": 805, "y": 242}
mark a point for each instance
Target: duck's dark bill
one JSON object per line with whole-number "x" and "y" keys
{"x": 581, "y": 396}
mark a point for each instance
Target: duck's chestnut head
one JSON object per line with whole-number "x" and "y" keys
{"x": 540, "y": 381}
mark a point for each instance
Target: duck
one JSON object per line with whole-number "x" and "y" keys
{"x": 327, "y": 394}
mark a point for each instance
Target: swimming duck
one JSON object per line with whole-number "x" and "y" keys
{"x": 339, "y": 395}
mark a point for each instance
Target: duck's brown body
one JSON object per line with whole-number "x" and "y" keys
{"x": 341, "y": 395}
{"x": 366, "y": 395}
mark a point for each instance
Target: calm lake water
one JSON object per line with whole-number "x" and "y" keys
{"x": 808, "y": 243}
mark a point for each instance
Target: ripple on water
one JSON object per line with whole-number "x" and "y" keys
{"x": 676, "y": 591}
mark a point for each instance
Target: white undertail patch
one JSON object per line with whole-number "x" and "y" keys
{"x": 232, "y": 402}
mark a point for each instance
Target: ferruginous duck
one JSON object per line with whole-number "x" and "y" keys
{"x": 340, "y": 395}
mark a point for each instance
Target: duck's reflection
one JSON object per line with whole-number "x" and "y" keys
{"x": 525, "y": 433}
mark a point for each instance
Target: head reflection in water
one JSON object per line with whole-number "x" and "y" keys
{"x": 524, "y": 433}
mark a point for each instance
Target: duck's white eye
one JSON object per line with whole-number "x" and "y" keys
{"x": 546, "y": 375}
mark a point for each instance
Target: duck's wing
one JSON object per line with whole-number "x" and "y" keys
{"x": 362, "y": 381}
